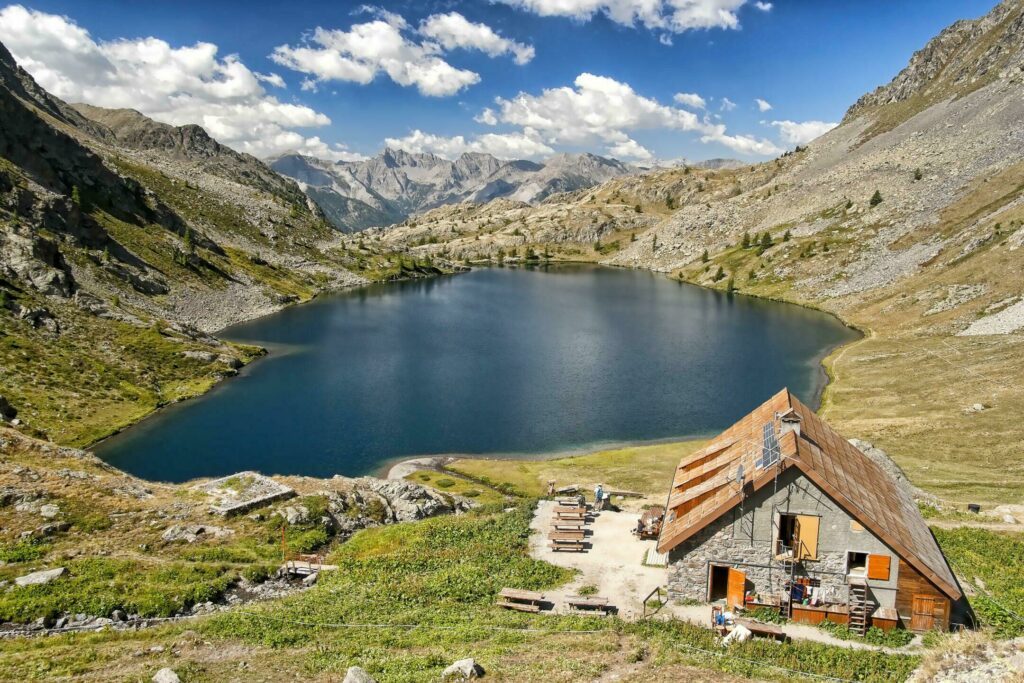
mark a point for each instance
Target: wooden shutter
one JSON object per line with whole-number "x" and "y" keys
{"x": 878, "y": 567}
{"x": 737, "y": 588}
{"x": 807, "y": 537}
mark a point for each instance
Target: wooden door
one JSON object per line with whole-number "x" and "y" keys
{"x": 929, "y": 612}
{"x": 806, "y": 538}
{"x": 737, "y": 588}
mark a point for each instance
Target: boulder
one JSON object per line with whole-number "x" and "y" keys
{"x": 41, "y": 577}
{"x": 201, "y": 356}
{"x": 294, "y": 514}
{"x": 357, "y": 674}
{"x": 190, "y": 533}
{"x": 463, "y": 670}
{"x": 7, "y": 411}
{"x": 166, "y": 675}
{"x": 49, "y": 511}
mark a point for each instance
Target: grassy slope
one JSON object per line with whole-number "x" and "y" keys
{"x": 906, "y": 385}
{"x": 645, "y": 469}
{"x": 441, "y": 574}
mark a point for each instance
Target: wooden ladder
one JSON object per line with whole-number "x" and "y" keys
{"x": 859, "y": 606}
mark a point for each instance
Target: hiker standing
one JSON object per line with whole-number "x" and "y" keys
{"x": 599, "y": 497}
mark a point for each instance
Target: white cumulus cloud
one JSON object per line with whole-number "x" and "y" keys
{"x": 674, "y": 16}
{"x": 690, "y": 99}
{"x": 522, "y": 145}
{"x": 486, "y": 117}
{"x": 762, "y": 105}
{"x": 800, "y": 133}
{"x": 630, "y": 150}
{"x": 453, "y": 31}
{"x": 175, "y": 85}
{"x": 763, "y": 6}
{"x": 388, "y": 45}
{"x": 727, "y": 104}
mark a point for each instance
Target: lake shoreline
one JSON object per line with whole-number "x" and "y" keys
{"x": 819, "y": 386}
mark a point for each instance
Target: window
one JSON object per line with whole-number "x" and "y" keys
{"x": 857, "y": 564}
{"x": 797, "y": 537}
{"x": 867, "y": 565}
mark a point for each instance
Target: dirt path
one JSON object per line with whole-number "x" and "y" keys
{"x": 613, "y": 564}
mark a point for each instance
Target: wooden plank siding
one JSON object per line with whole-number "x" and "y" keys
{"x": 910, "y": 584}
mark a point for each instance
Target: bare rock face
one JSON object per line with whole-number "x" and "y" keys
{"x": 190, "y": 533}
{"x": 885, "y": 461}
{"x": 408, "y": 502}
{"x": 396, "y": 184}
{"x": 36, "y": 261}
{"x": 40, "y": 578}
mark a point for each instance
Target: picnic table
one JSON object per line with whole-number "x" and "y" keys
{"x": 763, "y": 630}
{"x": 567, "y": 525}
{"x": 571, "y": 535}
{"x": 649, "y": 524}
{"x": 521, "y": 600}
{"x": 570, "y": 503}
{"x": 571, "y": 544}
{"x": 565, "y": 512}
{"x": 579, "y": 604}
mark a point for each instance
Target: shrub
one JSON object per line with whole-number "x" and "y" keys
{"x": 444, "y": 483}
{"x": 876, "y": 198}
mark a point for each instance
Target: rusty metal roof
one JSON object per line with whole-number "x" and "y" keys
{"x": 707, "y": 483}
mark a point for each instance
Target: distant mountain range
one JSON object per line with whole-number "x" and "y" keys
{"x": 396, "y": 184}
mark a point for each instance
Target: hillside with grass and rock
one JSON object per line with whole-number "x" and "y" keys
{"x": 125, "y": 244}
{"x": 907, "y": 221}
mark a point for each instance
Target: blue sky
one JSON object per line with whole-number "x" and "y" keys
{"x": 454, "y": 60}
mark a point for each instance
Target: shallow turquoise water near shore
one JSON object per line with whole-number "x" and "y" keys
{"x": 494, "y": 361}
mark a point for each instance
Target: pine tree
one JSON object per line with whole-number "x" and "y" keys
{"x": 638, "y": 209}
{"x": 654, "y": 243}
{"x": 670, "y": 202}
{"x": 746, "y": 240}
{"x": 719, "y": 274}
{"x": 730, "y": 286}
{"x": 917, "y": 174}
{"x": 876, "y": 198}
{"x": 766, "y": 241}
{"x": 189, "y": 241}
{"x": 632, "y": 237}
{"x": 785, "y": 236}
{"x": 704, "y": 256}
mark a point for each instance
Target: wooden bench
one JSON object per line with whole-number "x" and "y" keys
{"x": 567, "y": 525}
{"x": 570, "y": 503}
{"x": 572, "y": 545}
{"x": 578, "y": 604}
{"x": 520, "y": 600}
{"x": 576, "y": 514}
{"x": 763, "y": 630}
{"x": 566, "y": 535}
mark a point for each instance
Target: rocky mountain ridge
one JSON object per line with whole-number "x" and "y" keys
{"x": 397, "y": 184}
{"x": 124, "y": 243}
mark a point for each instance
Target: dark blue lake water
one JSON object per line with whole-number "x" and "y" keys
{"x": 497, "y": 361}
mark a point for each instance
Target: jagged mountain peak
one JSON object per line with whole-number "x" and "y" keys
{"x": 396, "y": 183}
{"x": 961, "y": 58}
